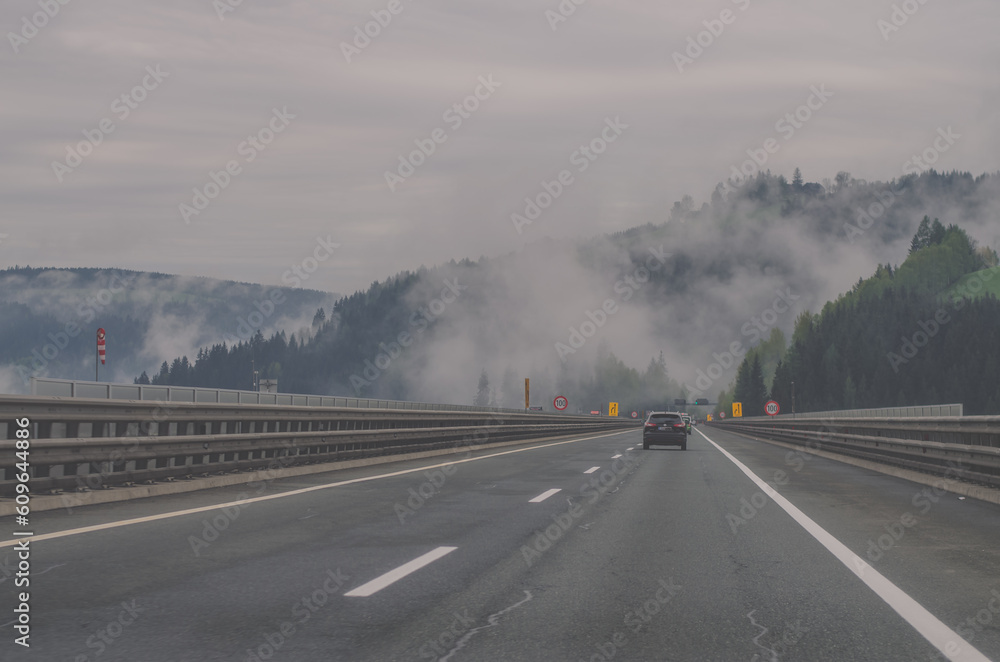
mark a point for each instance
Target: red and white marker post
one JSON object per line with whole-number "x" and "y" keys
{"x": 100, "y": 352}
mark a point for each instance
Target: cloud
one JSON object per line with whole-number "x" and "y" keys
{"x": 119, "y": 207}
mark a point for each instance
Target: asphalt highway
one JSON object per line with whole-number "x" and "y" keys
{"x": 582, "y": 549}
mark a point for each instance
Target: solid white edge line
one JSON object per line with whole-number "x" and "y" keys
{"x": 243, "y": 502}
{"x": 393, "y": 576}
{"x": 545, "y": 495}
{"x": 929, "y": 626}
{"x": 591, "y": 470}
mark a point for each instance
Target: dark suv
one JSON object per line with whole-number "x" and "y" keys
{"x": 665, "y": 428}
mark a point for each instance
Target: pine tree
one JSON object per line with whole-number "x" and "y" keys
{"x": 757, "y": 394}
{"x": 319, "y": 318}
{"x": 842, "y": 180}
{"x": 654, "y": 385}
{"x": 781, "y": 385}
{"x": 922, "y": 237}
{"x": 797, "y": 180}
{"x": 482, "y": 398}
{"x": 937, "y": 233}
{"x": 741, "y": 390}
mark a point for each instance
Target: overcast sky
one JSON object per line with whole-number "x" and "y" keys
{"x": 279, "y": 71}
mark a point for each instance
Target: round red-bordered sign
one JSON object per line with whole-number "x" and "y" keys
{"x": 635, "y": 414}
{"x": 771, "y": 408}
{"x": 560, "y": 403}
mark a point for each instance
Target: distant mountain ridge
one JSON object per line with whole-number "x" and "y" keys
{"x": 49, "y": 318}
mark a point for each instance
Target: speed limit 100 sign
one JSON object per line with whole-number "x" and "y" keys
{"x": 772, "y": 408}
{"x": 560, "y": 403}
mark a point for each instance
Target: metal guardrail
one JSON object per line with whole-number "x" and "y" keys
{"x": 79, "y": 443}
{"x": 918, "y": 411}
{"x": 70, "y": 388}
{"x": 966, "y": 447}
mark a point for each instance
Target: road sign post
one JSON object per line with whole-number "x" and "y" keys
{"x": 100, "y": 353}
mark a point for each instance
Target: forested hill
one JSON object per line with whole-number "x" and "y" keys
{"x": 927, "y": 332}
{"x": 636, "y": 317}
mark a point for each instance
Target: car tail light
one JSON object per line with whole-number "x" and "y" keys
{"x": 650, "y": 425}
{"x": 680, "y": 425}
